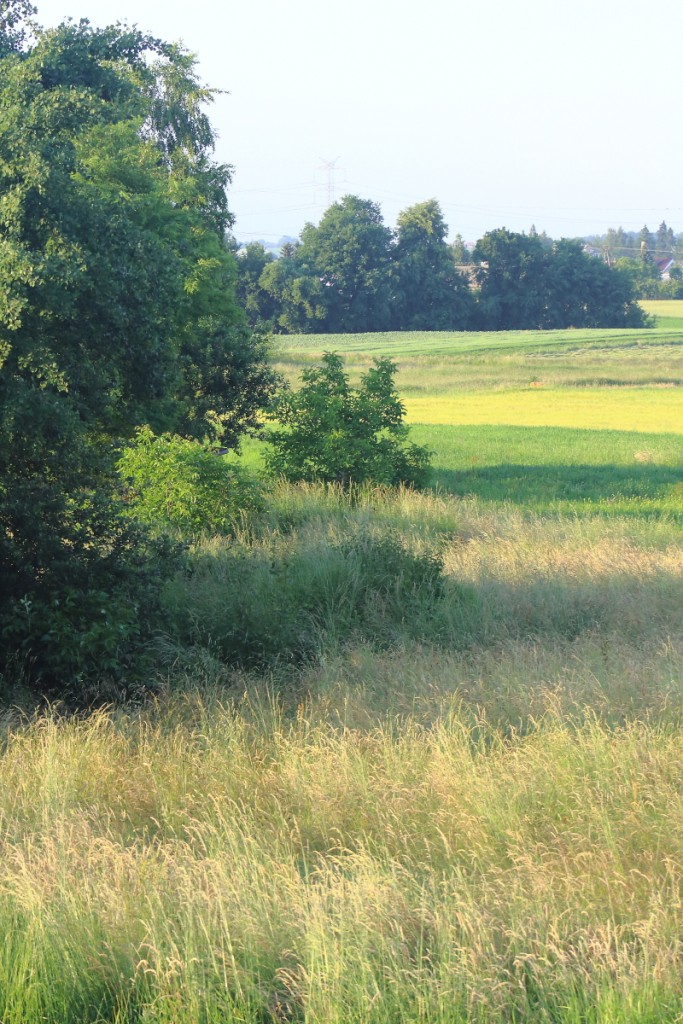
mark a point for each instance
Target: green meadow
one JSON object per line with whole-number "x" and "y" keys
{"x": 412, "y": 758}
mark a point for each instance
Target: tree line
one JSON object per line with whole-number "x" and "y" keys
{"x": 351, "y": 273}
{"x": 643, "y": 255}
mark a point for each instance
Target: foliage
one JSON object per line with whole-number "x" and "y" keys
{"x": 330, "y": 431}
{"x": 80, "y": 594}
{"x": 259, "y": 306}
{"x": 337, "y": 278}
{"x": 182, "y": 486}
{"x": 430, "y": 294}
{"x": 295, "y": 291}
{"x": 524, "y": 285}
{"x": 14, "y": 14}
{"x": 117, "y": 307}
{"x": 351, "y": 274}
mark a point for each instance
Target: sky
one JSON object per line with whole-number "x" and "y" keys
{"x": 510, "y": 113}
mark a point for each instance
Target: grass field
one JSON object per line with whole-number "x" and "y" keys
{"x": 413, "y": 758}
{"x": 668, "y": 312}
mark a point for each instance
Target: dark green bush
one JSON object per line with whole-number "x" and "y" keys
{"x": 80, "y": 601}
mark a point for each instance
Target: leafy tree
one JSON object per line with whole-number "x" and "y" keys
{"x": 511, "y": 276}
{"x": 619, "y": 244}
{"x": 583, "y": 291}
{"x": 349, "y": 253}
{"x": 117, "y": 308}
{"x": 430, "y": 294}
{"x": 665, "y": 240}
{"x": 525, "y": 285}
{"x": 645, "y": 242}
{"x": 258, "y": 304}
{"x": 462, "y": 256}
{"x": 296, "y": 291}
{"x": 332, "y": 432}
{"x": 14, "y": 15}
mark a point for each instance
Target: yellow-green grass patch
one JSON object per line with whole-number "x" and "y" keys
{"x": 656, "y": 410}
{"x": 669, "y": 312}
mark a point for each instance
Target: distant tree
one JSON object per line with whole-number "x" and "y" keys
{"x": 349, "y": 253}
{"x": 665, "y": 240}
{"x": 583, "y": 291}
{"x": 258, "y": 304}
{"x": 511, "y": 276}
{"x": 525, "y": 286}
{"x": 296, "y": 292}
{"x": 429, "y": 293}
{"x": 618, "y": 243}
{"x": 462, "y": 256}
{"x": 645, "y": 240}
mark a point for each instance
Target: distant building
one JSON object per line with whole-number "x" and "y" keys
{"x": 664, "y": 266}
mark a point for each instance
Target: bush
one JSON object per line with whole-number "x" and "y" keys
{"x": 80, "y": 602}
{"x": 184, "y": 487}
{"x": 291, "y": 601}
{"x": 337, "y": 434}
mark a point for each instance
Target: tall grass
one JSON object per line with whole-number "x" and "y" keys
{"x": 193, "y": 864}
{"x": 461, "y": 801}
{"x": 413, "y": 758}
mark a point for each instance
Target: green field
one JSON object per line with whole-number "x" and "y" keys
{"x": 412, "y": 758}
{"x": 580, "y": 421}
{"x": 668, "y": 312}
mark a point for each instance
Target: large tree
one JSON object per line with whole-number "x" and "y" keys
{"x": 526, "y": 285}
{"x": 117, "y": 303}
{"x": 429, "y": 293}
{"x": 582, "y": 291}
{"x": 349, "y": 253}
{"x": 511, "y": 279}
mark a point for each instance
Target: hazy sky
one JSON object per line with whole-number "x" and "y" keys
{"x": 509, "y": 112}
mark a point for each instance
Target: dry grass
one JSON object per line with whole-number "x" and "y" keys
{"x": 198, "y": 864}
{"x": 427, "y": 833}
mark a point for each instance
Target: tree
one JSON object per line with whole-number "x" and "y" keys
{"x": 665, "y": 240}
{"x": 117, "y": 308}
{"x": 296, "y": 291}
{"x": 332, "y": 432}
{"x": 645, "y": 240}
{"x": 258, "y": 304}
{"x": 349, "y": 253}
{"x": 525, "y": 285}
{"x": 619, "y": 244}
{"x": 582, "y": 291}
{"x": 462, "y": 256}
{"x": 430, "y": 294}
{"x": 13, "y": 30}
{"x": 511, "y": 280}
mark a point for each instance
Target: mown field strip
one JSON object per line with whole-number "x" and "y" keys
{"x": 650, "y": 410}
{"x": 398, "y": 344}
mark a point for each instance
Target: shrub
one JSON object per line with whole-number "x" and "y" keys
{"x": 183, "y": 486}
{"x": 332, "y": 432}
{"x": 292, "y": 600}
{"x": 84, "y": 604}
